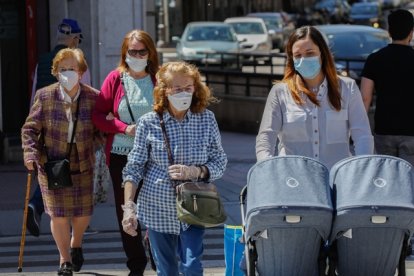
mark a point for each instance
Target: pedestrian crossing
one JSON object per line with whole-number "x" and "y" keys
{"x": 101, "y": 251}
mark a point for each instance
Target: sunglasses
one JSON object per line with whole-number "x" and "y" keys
{"x": 134, "y": 53}
{"x": 67, "y": 30}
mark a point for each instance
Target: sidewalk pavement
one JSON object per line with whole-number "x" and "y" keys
{"x": 240, "y": 150}
{"x": 13, "y": 178}
{"x": 112, "y": 272}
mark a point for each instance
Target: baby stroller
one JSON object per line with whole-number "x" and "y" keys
{"x": 288, "y": 216}
{"x": 374, "y": 218}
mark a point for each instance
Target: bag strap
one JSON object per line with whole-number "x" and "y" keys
{"x": 74, "y": 127}
{"x": 73, "y": 132}
{"x": 126, "y": 99}
{"x": 167, "y": 143}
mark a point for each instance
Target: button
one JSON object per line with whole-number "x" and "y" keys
{"x": 316, "y": 155}
{"x": 314, "y": 117}
{"x": 315, "y": 130}
{"x": 316, "y": 142}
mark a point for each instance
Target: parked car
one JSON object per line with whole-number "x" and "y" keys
{"x": 352, "y": 44}
{"x": 390, "y": 4}
{"x": 279, "y": 24}
{"x": 337, "y": 10}
{"x": 366, "y": 13}
{"x": 252, "y": 33}
{"x": 205, "y": 42}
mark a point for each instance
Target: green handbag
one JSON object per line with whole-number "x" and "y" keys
{"x": 199, "y": 203}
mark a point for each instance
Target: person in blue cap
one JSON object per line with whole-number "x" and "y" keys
{"x": 68, "y": 35}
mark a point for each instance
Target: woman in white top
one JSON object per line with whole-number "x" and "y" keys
{"x": 313, "y": 112}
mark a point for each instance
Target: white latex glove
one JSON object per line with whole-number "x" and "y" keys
{"x": 183, "y": 172}
{"x": 129, "y": 220}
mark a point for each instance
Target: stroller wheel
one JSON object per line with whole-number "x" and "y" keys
{"x": 251, "y": 258}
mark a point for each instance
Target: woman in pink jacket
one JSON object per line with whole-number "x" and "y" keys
{"x": 126, "y": 95}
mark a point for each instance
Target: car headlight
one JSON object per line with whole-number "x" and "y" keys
{"x": 188, "y": 51}
{"x": 262, "y": 46}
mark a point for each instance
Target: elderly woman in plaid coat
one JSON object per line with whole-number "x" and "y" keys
{"x": 47, "y": 133}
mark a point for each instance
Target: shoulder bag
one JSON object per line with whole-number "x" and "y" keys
{"x": 197, "y": 203}
{"x": 58, "y": 171}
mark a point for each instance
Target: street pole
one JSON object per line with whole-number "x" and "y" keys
{"x": 166, "y": 23}
{"x": 161, "y": 26}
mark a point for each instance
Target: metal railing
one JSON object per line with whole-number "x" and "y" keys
{"x": 230, "y": 73}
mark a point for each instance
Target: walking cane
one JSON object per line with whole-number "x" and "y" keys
{"x": 26, "y": 204}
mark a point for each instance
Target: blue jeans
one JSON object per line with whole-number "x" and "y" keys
{"x": 188, "y": 245}
{"x": 37, "y": 200}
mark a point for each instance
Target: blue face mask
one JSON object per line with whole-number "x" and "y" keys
{"x": 308, "y": 67}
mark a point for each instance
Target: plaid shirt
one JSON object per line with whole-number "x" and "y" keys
{"x": 48, "y": 116}
{"x": 194, "y": 141}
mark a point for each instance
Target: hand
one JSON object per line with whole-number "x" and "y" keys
{"x": 129, "y": 220}
{"x": 30, "y": 165}
{"x": 110, "y": 116}
{"x": 183, "y": 172}
{"x": 130, "y": 130}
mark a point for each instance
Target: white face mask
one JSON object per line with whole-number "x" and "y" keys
{"x": 181, "y": 100}
{"x": 68, "y": 79}
{"x": 136, "y": 64}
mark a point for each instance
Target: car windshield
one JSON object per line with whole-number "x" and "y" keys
{"x": 273, "y": 22}
{"x": 248, "y": 28}
{"x": 219, "y": 33}
{"x": 356, "y": 44}
{"x": 364, "y": 9}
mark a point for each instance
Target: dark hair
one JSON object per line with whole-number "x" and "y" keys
{"x": 400, "y": 24}
{"x": 294, "y": 80}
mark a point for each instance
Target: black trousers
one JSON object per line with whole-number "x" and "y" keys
{"x": 133, "y": 246}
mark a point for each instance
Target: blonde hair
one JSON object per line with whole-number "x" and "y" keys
{"x": 144, "y": 38}
{"x": 202, "y": 96}
{"x": 69, "y": 53}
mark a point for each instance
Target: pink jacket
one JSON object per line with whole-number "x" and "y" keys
{"x": 108, "y": 101}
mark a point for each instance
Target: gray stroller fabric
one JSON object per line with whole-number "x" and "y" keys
{"x": 288, "y": 214}
{"x": 374, "y": 212}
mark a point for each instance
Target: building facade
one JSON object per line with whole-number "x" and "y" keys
{"x": 28, "y": 29}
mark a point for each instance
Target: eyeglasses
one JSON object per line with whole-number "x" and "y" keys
{"x": 141, "y": 52}
{"x": 67, "y": 30}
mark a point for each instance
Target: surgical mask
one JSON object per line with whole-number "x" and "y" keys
{"x": 136, "y": 64}
{"x": 181, "y": 100}
{"x": 308, "y": 67}
{"x": 68, "y": 79}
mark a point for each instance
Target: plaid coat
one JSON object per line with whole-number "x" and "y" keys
{"x": 48, "y": 116}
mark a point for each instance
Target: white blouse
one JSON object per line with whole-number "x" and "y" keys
{"x": 68, "y": 110}
{"x": 320, "y": 132}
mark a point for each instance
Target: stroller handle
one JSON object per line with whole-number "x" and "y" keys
{"x": 242, "y": 196}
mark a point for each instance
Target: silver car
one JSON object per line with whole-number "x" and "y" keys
{"x": 279, "y": 26}
{"x": 207, "y": 43}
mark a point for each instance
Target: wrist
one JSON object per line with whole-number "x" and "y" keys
{"x": 203, "y": 173}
